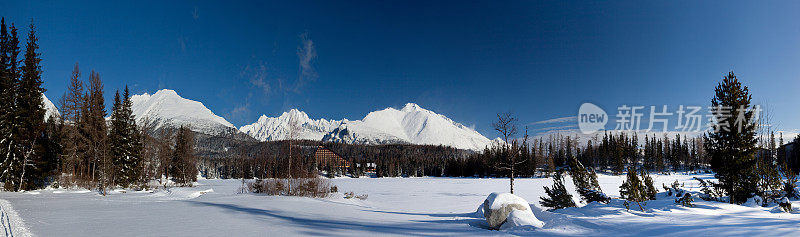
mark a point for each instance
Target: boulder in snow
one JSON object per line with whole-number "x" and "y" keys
{"x": 505, "y": 210}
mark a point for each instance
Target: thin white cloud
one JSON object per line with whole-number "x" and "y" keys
{"x": 307, "y": 54}
{"x": 557, "y": 120}
{"x": 258, "y": 77}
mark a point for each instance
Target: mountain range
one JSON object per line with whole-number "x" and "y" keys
{"x": 411, "y": 124}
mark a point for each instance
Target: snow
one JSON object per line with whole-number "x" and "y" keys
{"x": 411, "y": 125}
{"x": 10, "y": 222}
{"x": 394, "y": 207}
{"x": 49, "y": 108}
{"x": 166, "y": 108}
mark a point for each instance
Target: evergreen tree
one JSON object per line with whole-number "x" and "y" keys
{"x": 732, "y": 144}
{"x": 650, "y": 190}
{"x": 183, "y": 165}
{"x": 125, "y": 143}
{"x": 30, "y": 111}
{"x": 95, "y": 133}
{"x": 585, "y": 181}
{"x": 557, "y": 196}
{"x": 632, "y": 189}
{"x": 12, "y": 150}
{"x": 71, "y": 107}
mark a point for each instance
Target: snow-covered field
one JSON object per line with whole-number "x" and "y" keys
{"x": 395, "y": 206}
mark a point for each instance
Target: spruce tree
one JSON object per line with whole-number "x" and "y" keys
{"x": 632, "y": 189}
{"x": 125, "y": 142}
{"x": 183, "y": 165}
{"x": 557, "y": 196}
{"x": 95, "y": 133}
{"x": 732, "y": 145}
{"x": 12, "y": 150}
{"x": 585, "y": 181}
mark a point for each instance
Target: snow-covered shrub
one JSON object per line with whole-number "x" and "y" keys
{"x": 675, "y": 189}
{"x": 256, "y": 186}
{"x": 310, "y": 187}
{"x": 557, "y": 196}
{"x": 351, "y": 195}
{"x": 785, "y": 204}
{"x": 499, "y": 207}
{"x": 685, "y": 200}
{"x": 334, "y": 189}
{"x": 755, "y": 201}
{"x": 711, "y": 191}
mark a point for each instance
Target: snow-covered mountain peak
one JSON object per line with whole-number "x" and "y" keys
{"x": 279, "y": 128}
{"x": 410, "y": 124}
{"x": 166, "y": 108}
{"x": 412, "y": 107}
{"x": 49, "y": 107}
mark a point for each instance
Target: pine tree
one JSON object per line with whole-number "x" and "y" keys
{"x": 183, "y": 165}
{"x": 632, "y": 189}
{"x": 71, "y": 107}
{"x": 95, "y": 132}
{"x": 650, "y": 190}
{"x": 12, "y": 150}
{"x": 30, "y": 112}
{"x": 557, "y": 196}
{"x": 125, "y": 143}
{"x": 732, "y": 147}
{"x": 585, "y": 181}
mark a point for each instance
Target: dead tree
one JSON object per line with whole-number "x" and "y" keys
{"x": 506, "y": 125}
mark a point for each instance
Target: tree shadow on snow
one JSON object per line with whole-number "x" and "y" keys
{"x": 335, "y": 227}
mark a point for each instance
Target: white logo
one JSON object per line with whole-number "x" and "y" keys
{"x": 591, "y": 118}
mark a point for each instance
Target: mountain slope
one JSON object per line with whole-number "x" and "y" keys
{"x": 49, "y": 107}
{"x": 412, "y": 124}
{"x": 166, "y": 109}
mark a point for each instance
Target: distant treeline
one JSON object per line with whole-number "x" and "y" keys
{"x": 540, "y": 157}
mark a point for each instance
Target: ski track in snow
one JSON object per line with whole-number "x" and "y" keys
{"x": 12, "y": 224}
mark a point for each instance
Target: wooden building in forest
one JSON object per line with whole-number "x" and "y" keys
{"x": 326, "y": 158}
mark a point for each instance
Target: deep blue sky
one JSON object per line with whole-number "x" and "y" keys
{"x": 467, "y": 60}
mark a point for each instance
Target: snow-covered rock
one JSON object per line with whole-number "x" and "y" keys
{"x": 166, "y": 108}
{"x": 506, "y": 210}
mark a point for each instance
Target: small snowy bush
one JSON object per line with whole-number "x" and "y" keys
{"x": 711, "y": 191}
{"x": 351, "y": 195}
{"x": 686, "y": 200}
{"x": 785, "y": 204}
